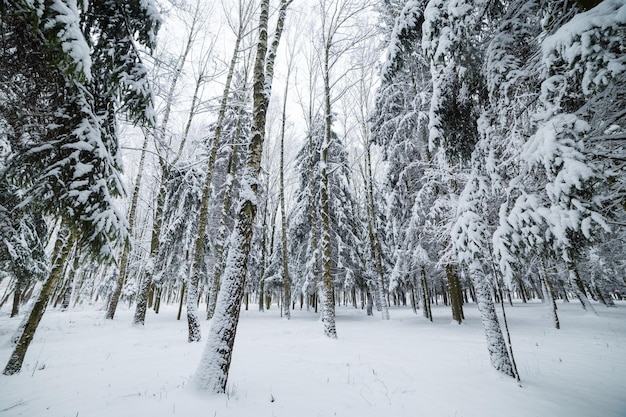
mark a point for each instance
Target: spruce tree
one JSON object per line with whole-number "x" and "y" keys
{"x": 82, "y": 65}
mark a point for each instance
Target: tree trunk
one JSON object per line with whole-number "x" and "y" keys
{"x": 313, "y": 249}
{"x": 498, "y": 352}
{"x": 263, "y": 260}
{"x": 221, "y": 238}
{"x": 374, "y": 241}
{"x": 181, "y": 301}
{"x": 578, "y": 288}
{"x": 283, "y": 215}
{"x": 62, "y": 249}
{"x": 506, "y": 329}
{"x": 132, "y": 214}
{"x": 550, "y": 294}
{"x": 426, "y": 296}
{"x": 144, "y": 292}
{"x": 69, "y": 287}
{"x": 455, "y": 293}
{"x": 327, "y": 283}
{"x": 17, "y": 292}
{"x": 212, "y": 372}
{"x": 198, "y": 258}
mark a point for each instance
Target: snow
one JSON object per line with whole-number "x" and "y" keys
{"x": 80, "y": 364}
{"x": 67, "y": 22}
{"x": 593, "y": 38}
{"x": 405, "y": 22}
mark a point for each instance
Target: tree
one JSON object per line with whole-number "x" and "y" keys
{"x": 69, "y": 166}
{"x": 132, "y": 214}
{"x": 163, "y": 135}
{"x": 283, "y": 214}
{"x": 212, "y": 372}
{"x": 336, "y": 16}
{"x": 194, "y": 275}
{"x": 400, "y": 128}
{"x": 452, "y": 44}
{"x": 236, "y": 127}
{"x": 564, "y": 191}
{"x": 23, "y": 235}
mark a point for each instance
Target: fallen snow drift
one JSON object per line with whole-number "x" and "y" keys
{"x": 81, "y": 365}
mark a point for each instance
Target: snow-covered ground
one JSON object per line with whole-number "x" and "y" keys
{"x": 81, "y": 365}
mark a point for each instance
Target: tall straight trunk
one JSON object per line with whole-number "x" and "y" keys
{"x": 329, "y": 306}
{"x": 426, "y": 295}
{"x": 283, "y": 215}
{"x": 212, "y": 372}
{"x": 62, "y": 248}
{"x": 17, "y": 292}
{"x": 313, "y": 242}
{"x": 144, "y": 292}
{"x": 132, "y": 214}
{"x": 263, "y": 260}
{"x": 198, "y": 258}
{"x": 498, "y": 352}
{"x": 374, "y": 240}
{"x": 147, "y": 284}
{"x": 456, "y": 300}
{"x": 221, "y": 236}
{"x": 550, "y": 294}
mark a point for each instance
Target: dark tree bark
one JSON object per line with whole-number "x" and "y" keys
{"x": 212, "y": 372}
{"x": 62, "y": 249}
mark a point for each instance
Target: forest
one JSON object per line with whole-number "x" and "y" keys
{"x": 202, "y": 161}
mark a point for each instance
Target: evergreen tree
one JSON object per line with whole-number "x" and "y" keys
{"x": 23, "y": 235}
{"x": 567, "y": 185}
{"x": 82, "y": 65}
{"x": 346, "y": 227}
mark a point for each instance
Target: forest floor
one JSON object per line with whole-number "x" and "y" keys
{"x": 81, "y": 365}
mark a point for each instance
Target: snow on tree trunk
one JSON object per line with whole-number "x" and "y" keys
{"x": 221, "y": 238}
{"x": 374, "y": 240}
{"x": 115, "y": 296}
{"x": 549, "y": 294}
{"x": 146, "y": 286}
{"x": 17, "y": 292}
{"x": 144, "y": 293}
{"x": 194, "y": 281}
{"x": 62, "y": 249}
{"x": 328, "y": 312}
{"x": 327, "y": 283}
{"x": 283, "y": 214}
{"x": 578, "y": 288}
{"x": 212, "y": 372}
{"x": 498, "y": 352}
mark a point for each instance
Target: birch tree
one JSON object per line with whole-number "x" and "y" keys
{"x": 244, "y": 12}
{"x": 336, "y": 18}
{"x": 163, "y": 136}
{"x": 212, "y": 372}
{"x": 283, "y": 214}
